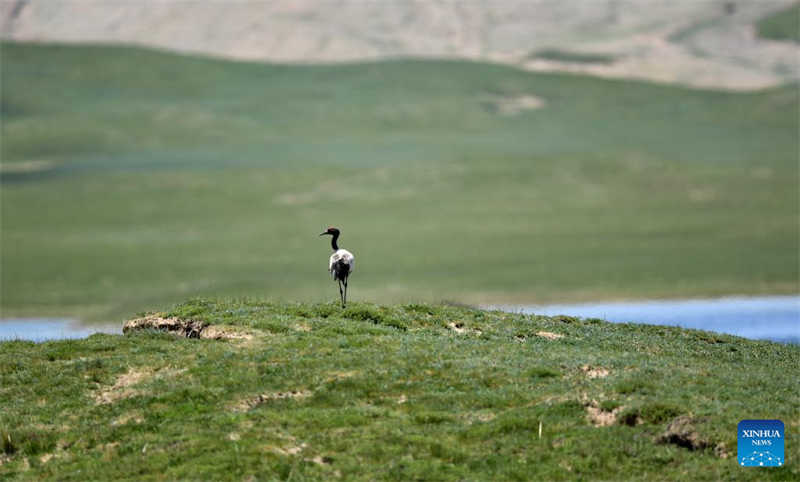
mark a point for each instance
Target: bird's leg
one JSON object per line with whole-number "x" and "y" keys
{"x": 341, "y": 295}
{"x": 345, "y": 292}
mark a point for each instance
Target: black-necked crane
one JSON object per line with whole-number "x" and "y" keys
{"x": 341, "y": 264}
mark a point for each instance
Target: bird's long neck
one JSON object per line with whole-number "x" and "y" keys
{"x": 334, "y": 243}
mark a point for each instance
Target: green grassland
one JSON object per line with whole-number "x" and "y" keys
{"x": 576, "y": 57}
{"x": 134, "y": 178}
{"x": 781, "y": 25}
{"x": 398, "y": 392}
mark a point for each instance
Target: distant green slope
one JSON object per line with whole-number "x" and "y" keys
{"x": 575, "y": 57}
{"x": 424, "y": 392}
{"x": 781, "y": 25}
{"x": 135, "y": 178}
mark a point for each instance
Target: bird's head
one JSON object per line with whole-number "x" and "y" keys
{"x": 332, "y": 231}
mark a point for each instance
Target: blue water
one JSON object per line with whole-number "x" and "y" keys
{"x": 38, "y": 330}
{"x": 775, "y": 318}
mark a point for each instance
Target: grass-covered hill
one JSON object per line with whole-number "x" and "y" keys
{"x": 689, "y": 42}
{"x": 279, "y": 391}
{"x": 134, "y": 178}
{"x": 781, "y": 25}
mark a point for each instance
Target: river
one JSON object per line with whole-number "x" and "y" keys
{"x": 44, "y": 329}
{"x": 775, "y": 318}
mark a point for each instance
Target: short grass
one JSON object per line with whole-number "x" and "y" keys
{"x": 134, "y": 178}
{"x": 577, "y": 57}
{"x": 397, "y": 392}
{"x": 781, "y": 25}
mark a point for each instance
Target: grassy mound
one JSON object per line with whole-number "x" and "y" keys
{"x": 416, "y": 391}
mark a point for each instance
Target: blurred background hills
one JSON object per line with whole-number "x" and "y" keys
{"x": 713, "y": 43}
{"x": 480, "y": 152}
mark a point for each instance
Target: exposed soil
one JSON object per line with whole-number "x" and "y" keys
{"x": 595, "y": 372}
{"x": 252, "y": 402}
{"x": 681, "y": 432}
{"x": 124, "y": 386}
{"x": 549, "y": 335}
{"x": 334, "y": 376}
{"x": 218, "y": 332}
{"x": 135, "y": 417}
{"x": 599, "y": 417}
{"x": 187, "y": 328}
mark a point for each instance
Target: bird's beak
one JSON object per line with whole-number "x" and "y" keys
{"x": 323, "y": 234}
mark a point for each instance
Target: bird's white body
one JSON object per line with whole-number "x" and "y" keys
{"x": 341, "y": 264}
{"x": 341, "y": 257}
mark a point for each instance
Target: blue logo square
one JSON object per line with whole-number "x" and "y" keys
{"x": 760, "y": 443}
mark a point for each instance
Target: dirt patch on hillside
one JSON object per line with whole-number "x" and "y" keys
{"x": 124, "y": 386}
{"x": 341, "y": 375}
{"x": 302, "y": 326}
{"x": 682, "y": 432}
{"x": 549, "y": 335}
{"x": 461, "y": 329}
{"x": 320, "y": 460}
{"x": 599, "y": 417}
{"x": 294, "y": 450}
{"x": 482, "y": 416}
{"x": 135, "y": 417}
{"x": 595, "y": 372}
{"x": 253, "y": 402}
{"x": 221, "y": 332}
{"x": 187, "y": 328}
{"x": 46, "y": 458}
